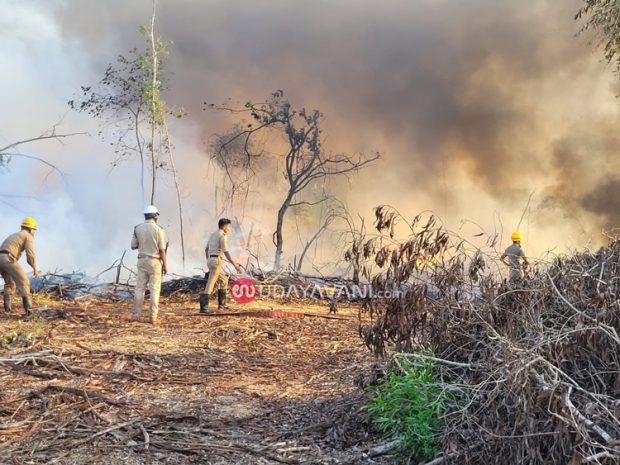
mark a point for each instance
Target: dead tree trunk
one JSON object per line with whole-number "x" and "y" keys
{"x": 278, "y": 238}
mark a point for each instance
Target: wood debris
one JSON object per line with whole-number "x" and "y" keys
{"x": 95, "y": 388}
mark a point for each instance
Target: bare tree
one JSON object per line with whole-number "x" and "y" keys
{"x": 231, "y": 153}
{"x": 304, "y": 159}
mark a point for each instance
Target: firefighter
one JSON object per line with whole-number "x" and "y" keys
{"x": 216, "y": 250}
{"x": 515, "y": 259}
{"x": 150, "y": 240}
{"x": 13, "y": 274}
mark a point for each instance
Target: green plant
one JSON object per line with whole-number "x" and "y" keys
{"x": 129, "y": 101}
{"x": 408, "y": 407}
{"x": 25, "y": 335}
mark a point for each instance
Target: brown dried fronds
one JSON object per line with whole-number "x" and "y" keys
{"x": 535, "y": 368}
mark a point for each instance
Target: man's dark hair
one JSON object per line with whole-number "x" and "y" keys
{"x": 223, "y": 222}
{"x": 150, "y": 216}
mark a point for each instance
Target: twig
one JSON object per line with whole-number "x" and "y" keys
{"x": 147, "y": 438}
{"x": 77, "y": 392}
{"x": 611, "y": 332}
{"x": 109, "y": 430}
{"x": 436, "y": 461}
{"x": 383, "y": 449}
{"x": 588, "y": 423}
{"x": 599, "y": 456}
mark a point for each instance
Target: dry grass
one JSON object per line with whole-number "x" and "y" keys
{"x": 89, "y": 386}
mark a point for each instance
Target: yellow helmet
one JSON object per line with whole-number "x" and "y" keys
{"x": 29, "y": 223}
{"x": 517, "y": 237}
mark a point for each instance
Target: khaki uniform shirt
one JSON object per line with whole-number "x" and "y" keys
{"x": 17, "y": 243}
{"x": 515, "y": 256}
{"x": 149, "y": 238}
{"x": 217, "y": 244}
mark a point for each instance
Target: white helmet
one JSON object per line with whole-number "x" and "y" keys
{"x": 151, "y": 210}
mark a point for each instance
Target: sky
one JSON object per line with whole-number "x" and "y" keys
{"x": 473, "y": 104}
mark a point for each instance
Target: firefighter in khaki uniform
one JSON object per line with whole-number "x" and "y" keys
{"x": 13, "y": 274}
{"x": 217, "y": 249}
{"x": 515, "y": 259}
{"x": 150, "y": 240}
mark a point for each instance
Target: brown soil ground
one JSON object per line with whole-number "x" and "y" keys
{"x": 87, "y": 386}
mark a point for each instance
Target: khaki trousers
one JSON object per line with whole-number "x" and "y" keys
{"x": 149, "y": 275}
{"x": 516, "y": 278}
{"x": 216, "y": 276}
{"x": 14, "y": 277}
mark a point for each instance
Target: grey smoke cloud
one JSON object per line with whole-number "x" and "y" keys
{"x": 604, "y": 200}
{"x": 466, "y": 99}
{"x": 420, "y": 72}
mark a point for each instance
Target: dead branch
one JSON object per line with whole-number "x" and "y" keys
{"x": 383, "y": 449}
{"x": 77, "y": 392}
{"x": 44, "y": 136}
{"x": 582, "y": 419}
{"x": 536, "y": 364}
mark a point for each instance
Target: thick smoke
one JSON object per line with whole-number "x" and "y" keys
{"x": 474, "y": 104}
{"x": 604, "y": 200}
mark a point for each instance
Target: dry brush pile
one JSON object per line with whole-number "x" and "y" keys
{"x": 534, "y": 371}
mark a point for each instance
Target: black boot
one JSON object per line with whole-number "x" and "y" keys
{"x": 204, "y": 303}
{"x": 7, "y": 303}
{"x": 27, "y": 305}
{"x": 221, "y": 300}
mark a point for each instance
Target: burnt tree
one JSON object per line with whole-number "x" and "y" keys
{"x": 304, "y": 159}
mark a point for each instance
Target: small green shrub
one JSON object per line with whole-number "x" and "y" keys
{"x": 25, "y": 335}
{"x": 408, "y": 406}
